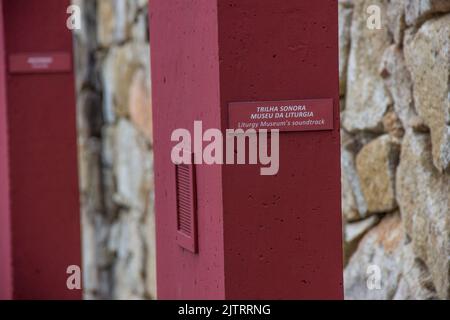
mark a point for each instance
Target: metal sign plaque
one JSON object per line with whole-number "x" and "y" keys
{"x": 40, "y": 62}
{"x": 292, "y": 115}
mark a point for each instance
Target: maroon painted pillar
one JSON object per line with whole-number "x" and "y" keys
{"x": 39, "y": 201}
{"x": 256, "y": 237}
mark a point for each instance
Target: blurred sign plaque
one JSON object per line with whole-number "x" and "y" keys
{"x": 40, "y": 62}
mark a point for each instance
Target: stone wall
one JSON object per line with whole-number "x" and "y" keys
{"x": 395, "y": 148}
{"x": 395, "y": 86}
{"x": 115, "y": 149}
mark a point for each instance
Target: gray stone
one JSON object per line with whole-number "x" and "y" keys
{"x": 118, "y": 71}
{"x": 416, "y": 282}
{"x": 132, "y": 166}
{"x": 423, "y": 196}
{"x": 345, "y": 23}
{"x": 367, "y": 98}
{"x": 354, "y": 206}
{"x": 399, "y": 83}
{"x": 427, "y": 56}
{"x": 396, "y": 19}
{"x": 393, "y": 126}
{"x": 380, "y": 250}
{"x": 115, "y": 20}
{"x": 353, "y": 233}
{"x": 419, "y": 10}
{"x": 376, "y": 164}
{"x": 127, "y": 242}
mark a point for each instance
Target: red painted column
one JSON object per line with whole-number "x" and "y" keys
{"x": 259, "y": 237}
{"x": 5, "y": 218}
{"x": 185, "y": 85}
{"x": 39, "y": 200}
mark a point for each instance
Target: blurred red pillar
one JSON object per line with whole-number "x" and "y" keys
{"x": 259, "y": 237}
{"x": 39, "y": 198}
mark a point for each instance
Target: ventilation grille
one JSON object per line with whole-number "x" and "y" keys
{"x": 186, "y": 207}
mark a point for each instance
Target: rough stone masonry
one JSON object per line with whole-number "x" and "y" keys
{"x": 396, "y": 148}
{"x": 115, "y": 149}
{"x": 394, "y": 85}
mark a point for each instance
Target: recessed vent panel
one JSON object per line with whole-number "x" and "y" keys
{"x": 186, "y": 207}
